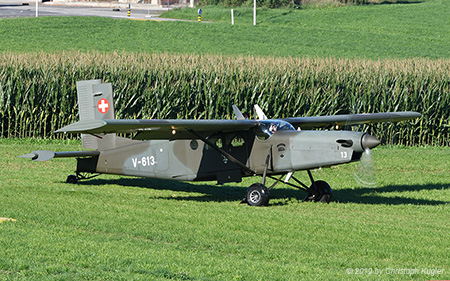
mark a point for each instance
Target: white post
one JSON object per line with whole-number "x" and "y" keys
{"x": 254, "y": 12}
{"x": 232, "y": 17}
{"x": 192, "y": 4}
{"x": 37, "y": 8}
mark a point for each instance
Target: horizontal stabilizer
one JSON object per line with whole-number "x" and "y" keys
{"x": 44, "y": 155}
{"x": 39, "y": 155}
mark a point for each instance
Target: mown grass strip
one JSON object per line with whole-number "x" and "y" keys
{"x": 128, "y": 228}
{"x": 417, "y": 29}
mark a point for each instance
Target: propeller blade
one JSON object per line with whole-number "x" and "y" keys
{"x": 365, "y": 172}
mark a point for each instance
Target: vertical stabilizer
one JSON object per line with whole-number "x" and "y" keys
{"x": 95, "y": 101}
{"x": 85, "y": 100}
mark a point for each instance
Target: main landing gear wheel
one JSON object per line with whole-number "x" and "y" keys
{"x": 257, "y": 195}
{"x": 319, "y": 191}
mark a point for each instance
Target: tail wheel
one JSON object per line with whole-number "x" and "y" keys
{"x": 319, "y": 191}
{"x": 72, "y": 179}
{"x": 257, "y": 195}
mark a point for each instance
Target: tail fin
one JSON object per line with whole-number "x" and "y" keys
{"x": 95, "y": 101}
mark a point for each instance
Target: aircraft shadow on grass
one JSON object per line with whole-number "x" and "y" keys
{"x": 215, "y": 193}
{"x": 397, "y": 2}
{"x": 370, "y": 195}
{"x": 204, "y": 191}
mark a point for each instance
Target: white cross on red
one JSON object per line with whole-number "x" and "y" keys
{"x": 103, "y": 106}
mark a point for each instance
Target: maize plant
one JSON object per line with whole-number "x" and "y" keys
{"x": 38, "y": 90}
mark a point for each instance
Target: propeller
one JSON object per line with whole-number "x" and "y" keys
{"x": 364, "y": 172}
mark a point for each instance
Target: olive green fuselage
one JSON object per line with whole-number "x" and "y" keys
{"x": 194, "y": 160}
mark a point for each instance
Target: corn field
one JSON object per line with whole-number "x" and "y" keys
{"x": 38, "y": 90}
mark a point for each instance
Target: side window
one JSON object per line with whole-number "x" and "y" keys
{"x": 217, "y": 140}
{"x": 262, "y": 132}
{"x": 226, "y": 141}
{"x": 267, "y": 128}
{"x": 237, "y": 141}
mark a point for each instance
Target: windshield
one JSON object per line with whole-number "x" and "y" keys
{"x": 266, "y": 128}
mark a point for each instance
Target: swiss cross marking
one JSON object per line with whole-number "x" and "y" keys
{"x": 103, "y": 106}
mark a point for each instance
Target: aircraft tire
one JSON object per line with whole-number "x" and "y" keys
{"x": 257, "y": 195}
{"x": 72, "y": 179}
{"x": 324, "y": 192}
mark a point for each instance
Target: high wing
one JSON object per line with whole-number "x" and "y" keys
{"x": 159, "y": 128}
{"x": 308, "y": 123}
{"x": 184, "y": 128}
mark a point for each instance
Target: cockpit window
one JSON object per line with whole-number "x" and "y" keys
{"x": 269, "y": 127}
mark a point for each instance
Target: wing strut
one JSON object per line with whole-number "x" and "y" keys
{"x": 223, "y": 152}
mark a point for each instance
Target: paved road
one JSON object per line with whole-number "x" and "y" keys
{"x": 26, "y": 8}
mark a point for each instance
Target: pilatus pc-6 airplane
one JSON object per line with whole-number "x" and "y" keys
{"x": 221, "y": 150}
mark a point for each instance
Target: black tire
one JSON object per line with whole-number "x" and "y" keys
{"x": 72, "y": 179}
{"x": 324, "y": 191}
{"x": 320, "y": 192}
{"x": 257, "y": 195}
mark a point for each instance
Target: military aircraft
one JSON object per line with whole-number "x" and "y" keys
{"x": 221, "y": 150}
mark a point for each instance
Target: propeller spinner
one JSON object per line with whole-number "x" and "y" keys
{"x": 369, "y": 141}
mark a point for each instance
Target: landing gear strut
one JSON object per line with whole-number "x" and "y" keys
{"x": 318, "y": 191}
{"x": 258, "y": 193}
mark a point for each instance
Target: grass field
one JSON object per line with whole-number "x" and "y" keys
{"x": 417, "y": 29}
{"x": 118, "y": 228}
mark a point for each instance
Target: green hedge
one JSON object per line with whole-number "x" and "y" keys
{"x": 38, "y": 91}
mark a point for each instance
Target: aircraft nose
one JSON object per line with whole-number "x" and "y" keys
{"x": 369, "y": 141}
